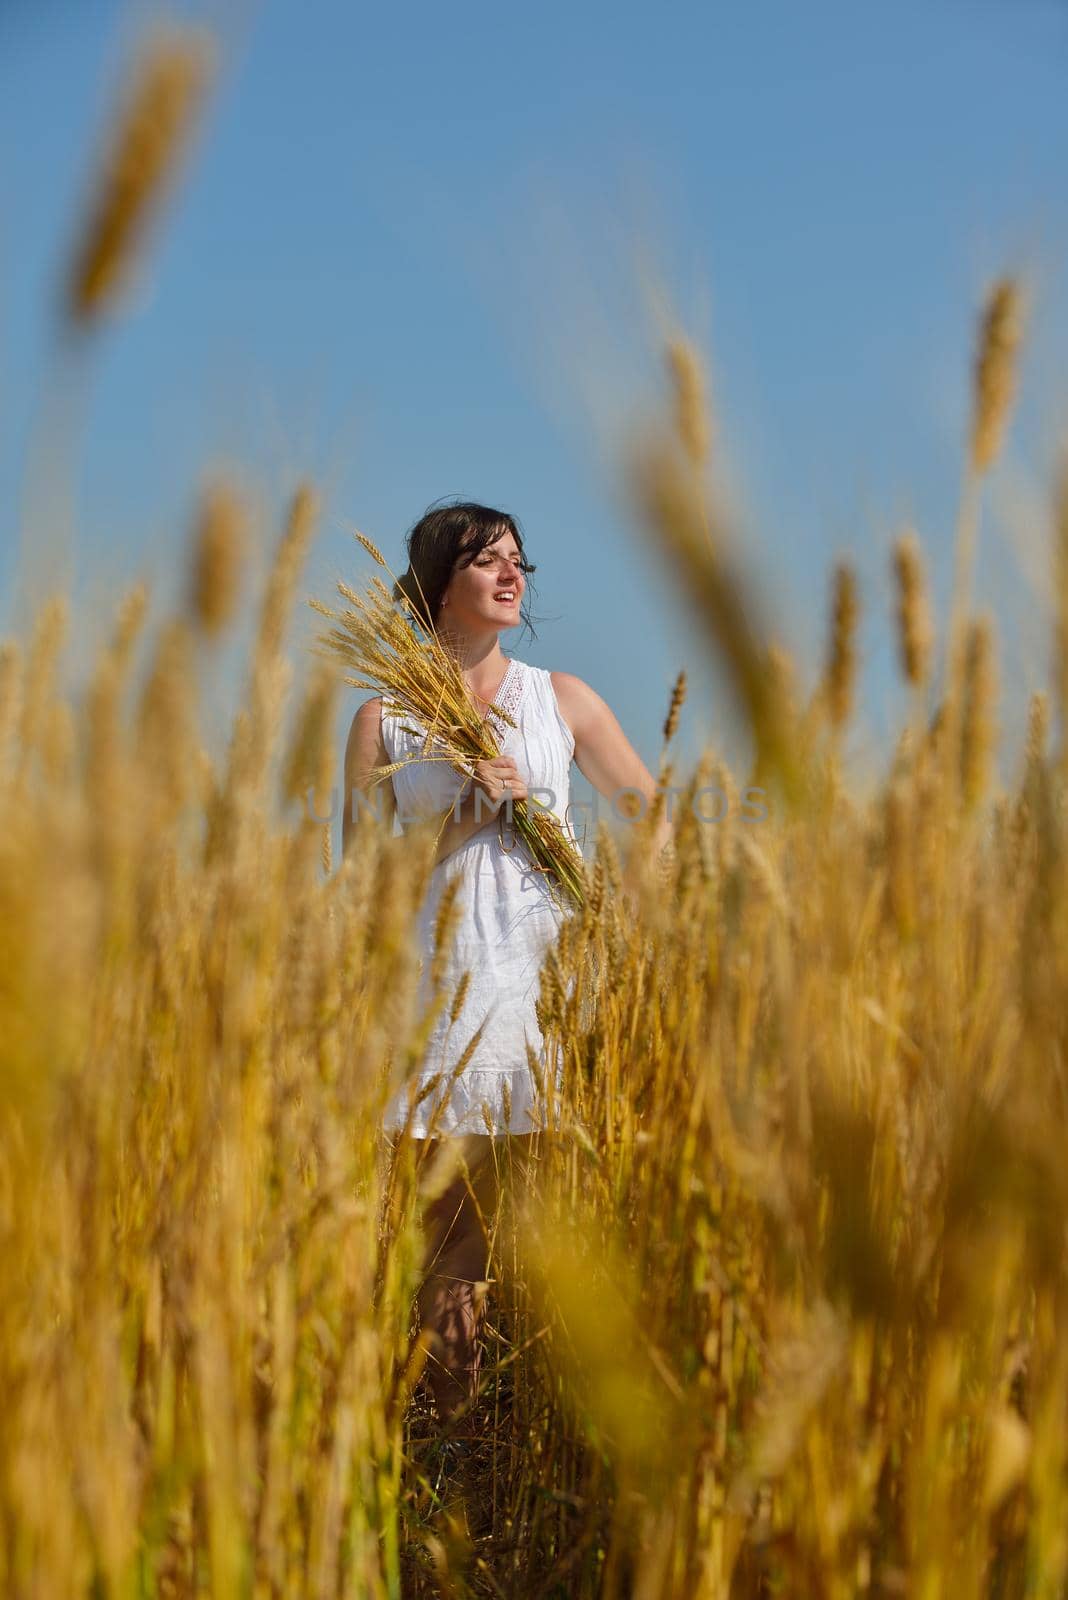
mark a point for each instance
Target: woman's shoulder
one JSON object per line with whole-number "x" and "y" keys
{"x": 582, "y": 707}
{"x": 571, "y": 690}
{"x": 366, "y": 721}
{"x": 564, "y": 680}
{"x": 369, "y": 714}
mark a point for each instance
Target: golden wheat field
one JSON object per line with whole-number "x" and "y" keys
{"x": 782, "y": 1310}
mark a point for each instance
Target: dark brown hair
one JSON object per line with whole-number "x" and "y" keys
{"x": 436, "y": 550}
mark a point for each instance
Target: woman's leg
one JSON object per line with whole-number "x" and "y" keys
{"x": 451, "y": 1299}
{"x": 455, "y": 1261}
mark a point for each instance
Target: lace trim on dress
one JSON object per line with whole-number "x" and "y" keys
{"x": 508, "y": 698}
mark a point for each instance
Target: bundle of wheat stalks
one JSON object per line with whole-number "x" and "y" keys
{"x": 420, "y": 677}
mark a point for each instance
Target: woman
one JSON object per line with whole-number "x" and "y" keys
{"x": 467, "y": 575}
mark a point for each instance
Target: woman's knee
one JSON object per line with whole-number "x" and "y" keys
{"x": 459, "y": 1209}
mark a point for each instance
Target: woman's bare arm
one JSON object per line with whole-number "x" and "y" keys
{"x": 364, "y": 751}
{"x": 603, "y": 753}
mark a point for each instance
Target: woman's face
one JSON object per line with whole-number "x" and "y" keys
{"x": 487, "y": 593}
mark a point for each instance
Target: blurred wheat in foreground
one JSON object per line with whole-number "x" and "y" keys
{"x": 781, "y": 1308}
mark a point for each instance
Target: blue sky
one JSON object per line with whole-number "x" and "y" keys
{"x": 410, "y": 257}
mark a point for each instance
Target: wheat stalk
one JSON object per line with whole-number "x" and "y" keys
{"x": 143, "y": 154}
{"x": 215, "y": 575}
{"x": 678, "y": 698}
{"x": 914, "y": 630}
{"x": 995, "y": 371}
{"x": 994, "y": 384}
{"x": 841, "y": 671}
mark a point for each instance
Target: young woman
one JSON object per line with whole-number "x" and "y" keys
{"x": 472, "y": 575}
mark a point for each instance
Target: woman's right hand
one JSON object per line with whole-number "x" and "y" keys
{"x": 492, "y": 776}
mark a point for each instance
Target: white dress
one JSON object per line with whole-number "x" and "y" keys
{"x": 507, "y": 916}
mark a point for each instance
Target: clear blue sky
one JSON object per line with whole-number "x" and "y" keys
{"x": 407, "y": 259}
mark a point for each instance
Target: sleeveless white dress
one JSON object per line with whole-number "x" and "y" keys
{"x": 507, "y": 917}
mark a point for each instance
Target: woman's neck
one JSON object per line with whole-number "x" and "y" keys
{"x": 482, "y": 662}
{"x": 478, "y": 658}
